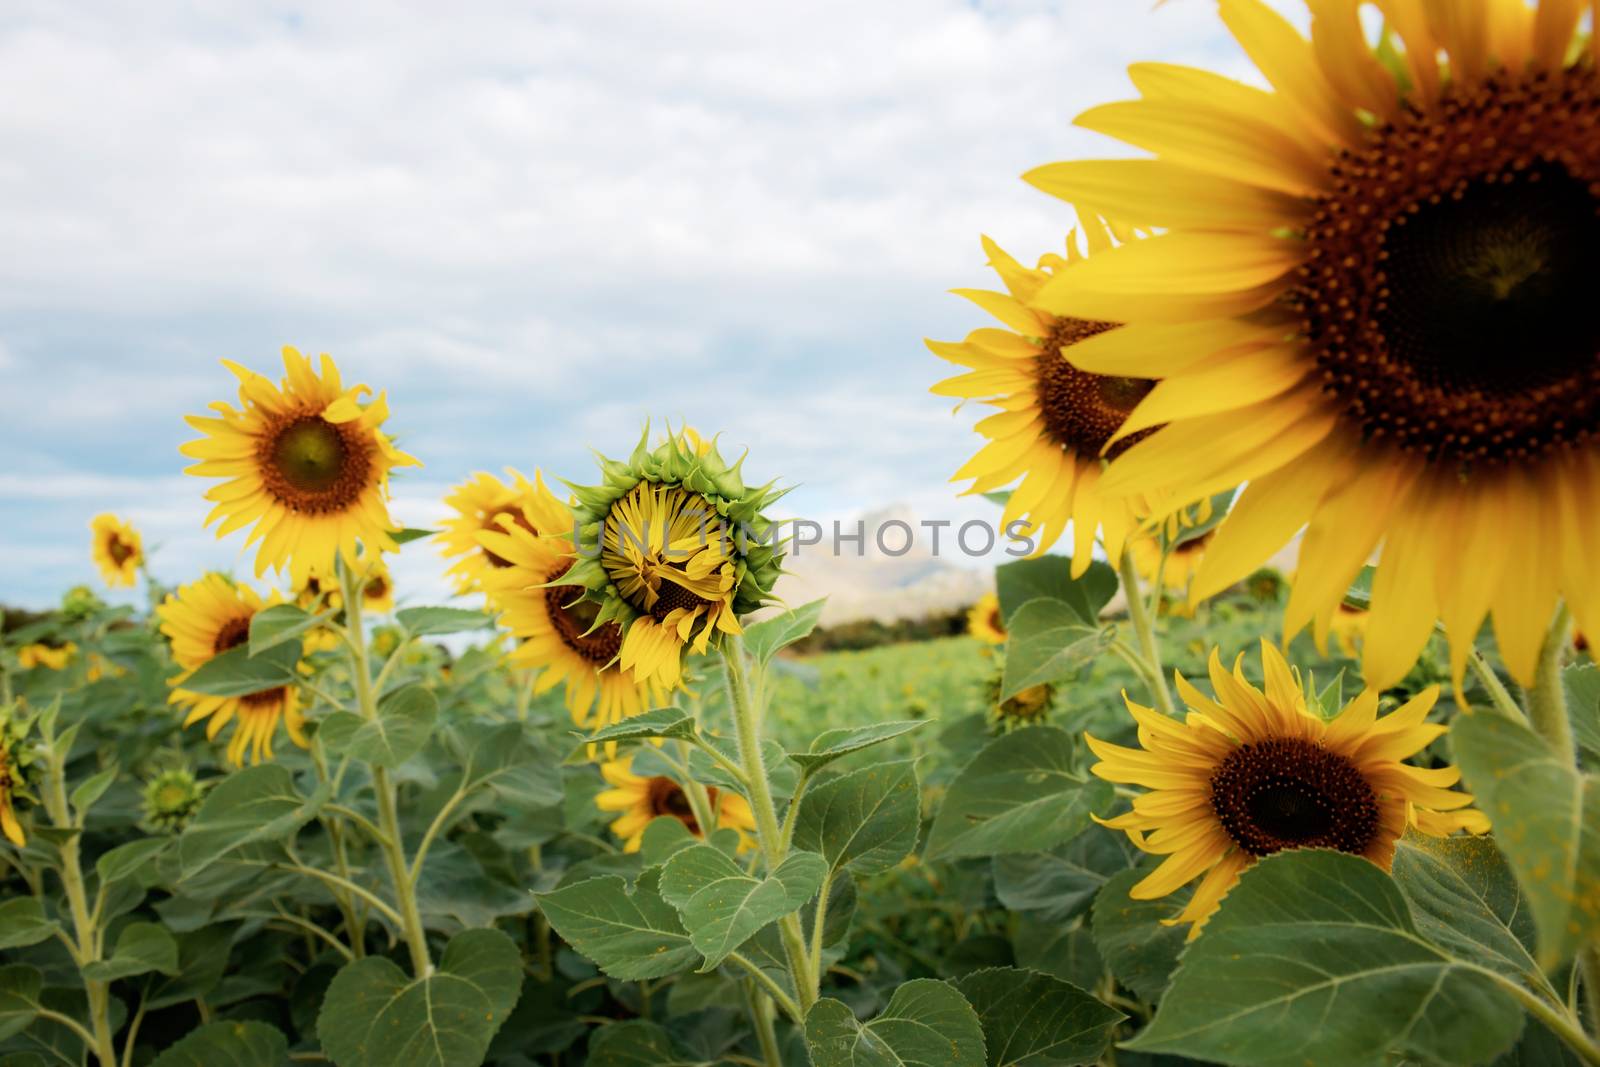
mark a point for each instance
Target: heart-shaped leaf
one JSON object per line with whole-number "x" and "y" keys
{"x": 255, "y": 804}
{"x": 141, "y": 948}
{"x": 722, "y": 906}
{"x": 236, "y": 1043}
{"x": 1033, "y": 1020}
{"x": 629, "y": 935}
{"x": 925, "y": 1023}
{"x": 866, "y": 820}
{"x": 404, "y": 723}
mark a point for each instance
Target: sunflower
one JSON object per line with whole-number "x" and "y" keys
{"x": 641, "y": 799}
{"x": 1348, "y": 626}
{"x": 1371, "y": 304}
{"x": 204, "y": 619}
{"x": 561, "y": 637}
{"x": 50, "y": 657}
{"x": 170, "y": 800}
{"x": 117, "y": 549}
{"x": 1176, "y": 571}
{"x": 1030, "y": 707}
{"x": 14, "y": 760}
{"x": 984, "y": 621}
{"x": 305, "y": 462}
{"x": 479, "y": 504}
{"x": 684, "y": 551}
{"x": 1251, "y": 773}
{"x": 377, "y": 588}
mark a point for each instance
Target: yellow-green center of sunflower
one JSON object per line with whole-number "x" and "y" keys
{"x": 1081, "y": 411}
{"x": 172, "y": 796}
{"x": 313, "y": 465}
{"x": 1448, "y": 289}
{"x": 1293, "y": 793}
{"x": 573, "y": 621}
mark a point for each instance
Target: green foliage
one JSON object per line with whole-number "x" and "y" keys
{"x": 404, "y": 722}
{"x": 237, "y": 1044}
{"x": 629, "y": 934}
{"x": 865, "y": 821}
{"x": 722, "y": 906}
{"x": 925, "y": 1022}
{"x": 1034, "y": 1020}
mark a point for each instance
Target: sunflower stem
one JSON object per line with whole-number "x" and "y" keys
{"x": 1147, "y": 635}
{"x": 761, "y": 1014}
{"x": 1555, "y": 1018}
{"x": 388, "y": 817}
{"x": 1547, "y": 700}
{"x": 86, "y": 930}
{"x": 1499, "y": 695}
{"x": 747, "y": 732}
{"x": 699, "y": 799}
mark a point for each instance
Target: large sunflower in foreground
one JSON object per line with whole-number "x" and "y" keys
{"x": 1371, "y": 302}
{"x": 478, "y": 505}
{"x": 675, "y": 548}
{"x": 1254, "y": 772}
{"x": 306, "y": 463}
{"x": 204, "y": 619}
{"x": 560, "y": 634}
{"x": 640, "y": 799}
{"x": 117, "y": 549}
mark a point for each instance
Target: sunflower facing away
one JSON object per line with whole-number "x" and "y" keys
{"x": 204, "y": 619}
{"x": 684, "y": 551}
{"x": 984, "y": 621}
{"x": 1251, "y": 773}
{"x": 641, "y": 799}
{"x": 117, "y": 549}
{"x": 305, "y": 462}
{"x": 1371, "y": 302}
{"x": 1177, "y": 571}
{"x": 558, "y": 629}
{"x": 478, "y": 505}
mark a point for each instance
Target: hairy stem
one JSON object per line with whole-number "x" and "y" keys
{"x": 1147, "y": 635}
{"x": 761, "y": 1014}
{"x": 388, "y": 817}
{"x": 1547, "y": 701}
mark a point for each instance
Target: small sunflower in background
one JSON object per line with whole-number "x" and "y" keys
{"x": 15, "y": 759}
{"x": 684, "y": 551}
{"x": 1176, "y": 572}
{"x": 1370, "y": 303}
{"x": 117, "y": 549}
{"x": 984, "y": 621}
{"x": 1348, "y": 626}
{"x": 205, "y": 619}
{"x": 479, "y": 504}
{"x": 1030, "y": 707}
{"x": 1254, "y": 772}
{"x": 305, "y": 462}
{"x": 641, "y": 799}
{"x": 49, "y": 656}
{"x": 377, "y": 587}
{"x": 559, "y": 630}
{"x": 170, "y": 800}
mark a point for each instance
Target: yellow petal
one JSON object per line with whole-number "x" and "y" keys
{"x": 1152, "y": 192}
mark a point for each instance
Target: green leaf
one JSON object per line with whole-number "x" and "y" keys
{"x": 280, "y": 624}
{"x": 1021, "y": 794}
{"x": 628, "y": 935}
{"x": 1582, "y": 682}
{"x": 835, "y": 744}
{"x": 1033, "y": 1020}
{"x": 1060, "y": 884}
{"x": 125, "y": 861}
{"x": 410, "y": 534}
{"x": 927, "y": 1023}
{"x": 507, "y": 759}
{"x": 722, "y": 906}
{"x": 1065, "y": 950}
{"x": 1046, "y": 643}
{"x": 425, "y": 622}
{"x": 405, "y": 721}
{"x": 236, "y": 1043}
{"x": 202, "y": 958}
{"x": 866, "y": 820}
{"x": 661, "y": 722}
{"x": 781, "y": 775}
{"x": 1051, "y": 577}
{"x": 23, "y": 923}
{"x": 636, "y": 1043}
{"x": 236, "y": 673}
{"x": 1314, "y": 958}
{"x": 19, "y": 998}
{"x": 1130, "y": 937}
{"x": 664, "y": 836}
{"x": 765, "y": 638}
{"x": 1465, "y": 900}
{"x": 374, "y": 1016}
{"x": 92, "y": 789}
{"x": 255, "y": 804}
{"x": 141, "y": 948}
{"x": 1537, "y": 803}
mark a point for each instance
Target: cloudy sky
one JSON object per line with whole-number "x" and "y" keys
{"x": 532, "y": 224}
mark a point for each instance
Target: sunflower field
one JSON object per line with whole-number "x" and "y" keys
{"x": 1162, "y": 804}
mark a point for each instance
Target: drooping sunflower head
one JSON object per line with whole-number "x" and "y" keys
{"x": 985, "y": 622}
{"x": 16, "y": 757}
{"x": 640, "y": 799}
{"x": 560, "y": 632}
{"x": 117, "y": 549}
{"x": 484, "y": 502}
{"x": 1031, "y": 707}
{"x": 1250, "y": 772}
{"x": 684, "y": 549}
{"x": 205, "y": 619}
{"x": 170, "y": 800}
{"x": 1369, "y": 303}
{"x": 305, "y": 462}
